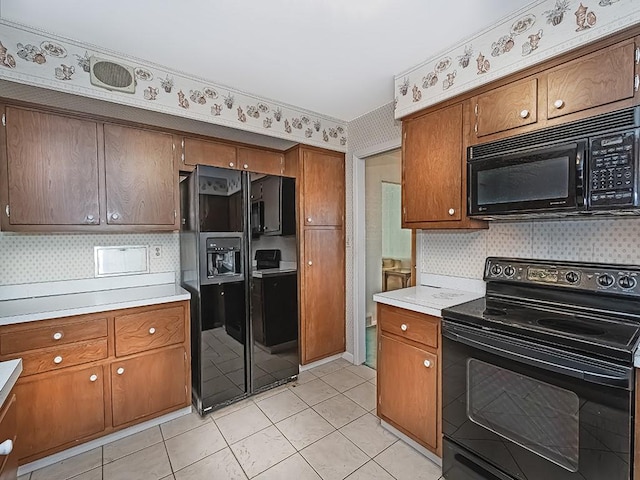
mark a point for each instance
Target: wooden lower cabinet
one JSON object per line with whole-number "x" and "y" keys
{"x": 409, "y": 385}
{"x": 158, "y": 380}
{"x": 55, "y": 409}
{"x": 8, "y": 431}
{"x": 77, "y": 391}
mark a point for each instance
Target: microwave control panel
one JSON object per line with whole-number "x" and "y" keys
{"x": 612, "y": 170}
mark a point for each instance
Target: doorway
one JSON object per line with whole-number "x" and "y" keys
{"x": 387, "y": 245}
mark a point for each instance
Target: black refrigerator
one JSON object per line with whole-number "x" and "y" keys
{"x": 227, "y": 216}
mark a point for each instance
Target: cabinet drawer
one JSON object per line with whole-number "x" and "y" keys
{"x": 410, "y": 325}
{"x": 63, "y": 356}
{"x": 51, "y": 336}
{"x": 142, "y": 331}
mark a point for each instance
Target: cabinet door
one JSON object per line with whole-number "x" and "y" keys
{"x": 140, "y": 177}
{"x": 260, "y": 161}
{"x": 8, "y": 431}
{"x": 148, "y": 384}
{"x": 58, "y": 409}
{"x": 323, "y": 188}
{"x": 408, "y": 389}
{"x": 52, "y": 169}
{"x": 504, "y": 108}
{"x": 602, "y": 77}
{"x": 432, "y": 167}
{"x": 204, "y": 152}
{"x": 323, "y": 294}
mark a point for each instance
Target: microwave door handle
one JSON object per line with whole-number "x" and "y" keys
{"x": 581, "y": 152}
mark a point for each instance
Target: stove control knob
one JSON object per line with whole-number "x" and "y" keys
{"x": 605, "y": 280}
{"x": 496, "y": 270}
{"x": 509, "y": 271}
{"x": 572, "y": 277}
{"x": 626, "y": 282}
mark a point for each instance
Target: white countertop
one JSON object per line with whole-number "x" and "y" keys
{"x": 426, "y": 299}
{"x": 135, "y": 294}
{"x": 9, "y": 373}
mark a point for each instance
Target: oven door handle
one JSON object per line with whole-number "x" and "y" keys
{"x": 604, "y": 374}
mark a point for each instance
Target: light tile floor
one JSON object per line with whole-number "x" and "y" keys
{"x": 321, "y": 427}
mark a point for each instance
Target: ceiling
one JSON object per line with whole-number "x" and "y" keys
{"x": 334, "y": 57}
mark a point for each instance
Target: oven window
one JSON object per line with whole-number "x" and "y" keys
{"x": 539, "y": 180}
{"x": 537, "y": 416}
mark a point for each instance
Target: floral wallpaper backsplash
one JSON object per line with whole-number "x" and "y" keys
{"x": 37, "y": 58}
{"x": 538, "y": 32}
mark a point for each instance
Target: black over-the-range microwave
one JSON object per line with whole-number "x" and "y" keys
{"x": 590, "y": 166}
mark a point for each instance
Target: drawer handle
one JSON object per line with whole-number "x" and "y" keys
{"x": 120, "y": 371}
{"x": 93, "y": 377}
{"x": 57, "y": 359}
{"x": 6, "y": 447}
{"x": 404, "y": 327}
{"x": 152, "y": 331}
{"x": 558, "y": 103}
{"x": 57, "y": 335}
{"x": 427, "y": 363}
{"x": 524, "y": 113}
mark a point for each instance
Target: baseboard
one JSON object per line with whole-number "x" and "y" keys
{"x": 412, "y": 443}
{"x": 317, "y": 363}
{"x": 99, "y": 442}
{"x": 348, "y": 357}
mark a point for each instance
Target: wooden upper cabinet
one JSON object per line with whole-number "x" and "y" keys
{"x": 141, "y": 181}
{"x": 323, "y": 188}
{"x": 205, "y": 152}
{"x": 323, "y": 295}
{"x": 260, "y": 161}
{"x": 52, "y": 169}
{"x": 504, "y": 108}
{"x": 603, "y": 77}
{"x": 432, "y": 167}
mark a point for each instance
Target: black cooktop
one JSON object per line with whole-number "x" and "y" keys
{"x": 568, "y": 306}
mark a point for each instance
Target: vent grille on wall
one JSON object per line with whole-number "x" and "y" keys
{"x": 629, "y": 117}
{"x": 111, "y": 75}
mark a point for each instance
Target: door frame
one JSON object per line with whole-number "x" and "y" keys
{"x": 359, "y": 245}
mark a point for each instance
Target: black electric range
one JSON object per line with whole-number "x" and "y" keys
{"x": 538, "y": 377}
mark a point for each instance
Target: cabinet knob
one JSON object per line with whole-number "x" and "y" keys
{"x": 404, "y": 327}
{"x": 90, "y": 219}
{"x": 152, "y": 331}
{"x": 245, "y": 166}
{"x": 524, "y": 113}
{"x": 115, "y": 216}
{"x": 120, "y": 371}
{"x": 231, "y": 164}
{"x": 309, "y": 262}
{"x": 57, "y": 335}
{"x": 93, "y": 377}
{"x": 222, "y": 294}
{"x": 6, "y": 447}
{"x": 57, "y": 359}
{"x": 427, "y": 363}
{"x": 451, "y": 211}
{"x": 558, "y": 103}
{"x": 308, "y": 219}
